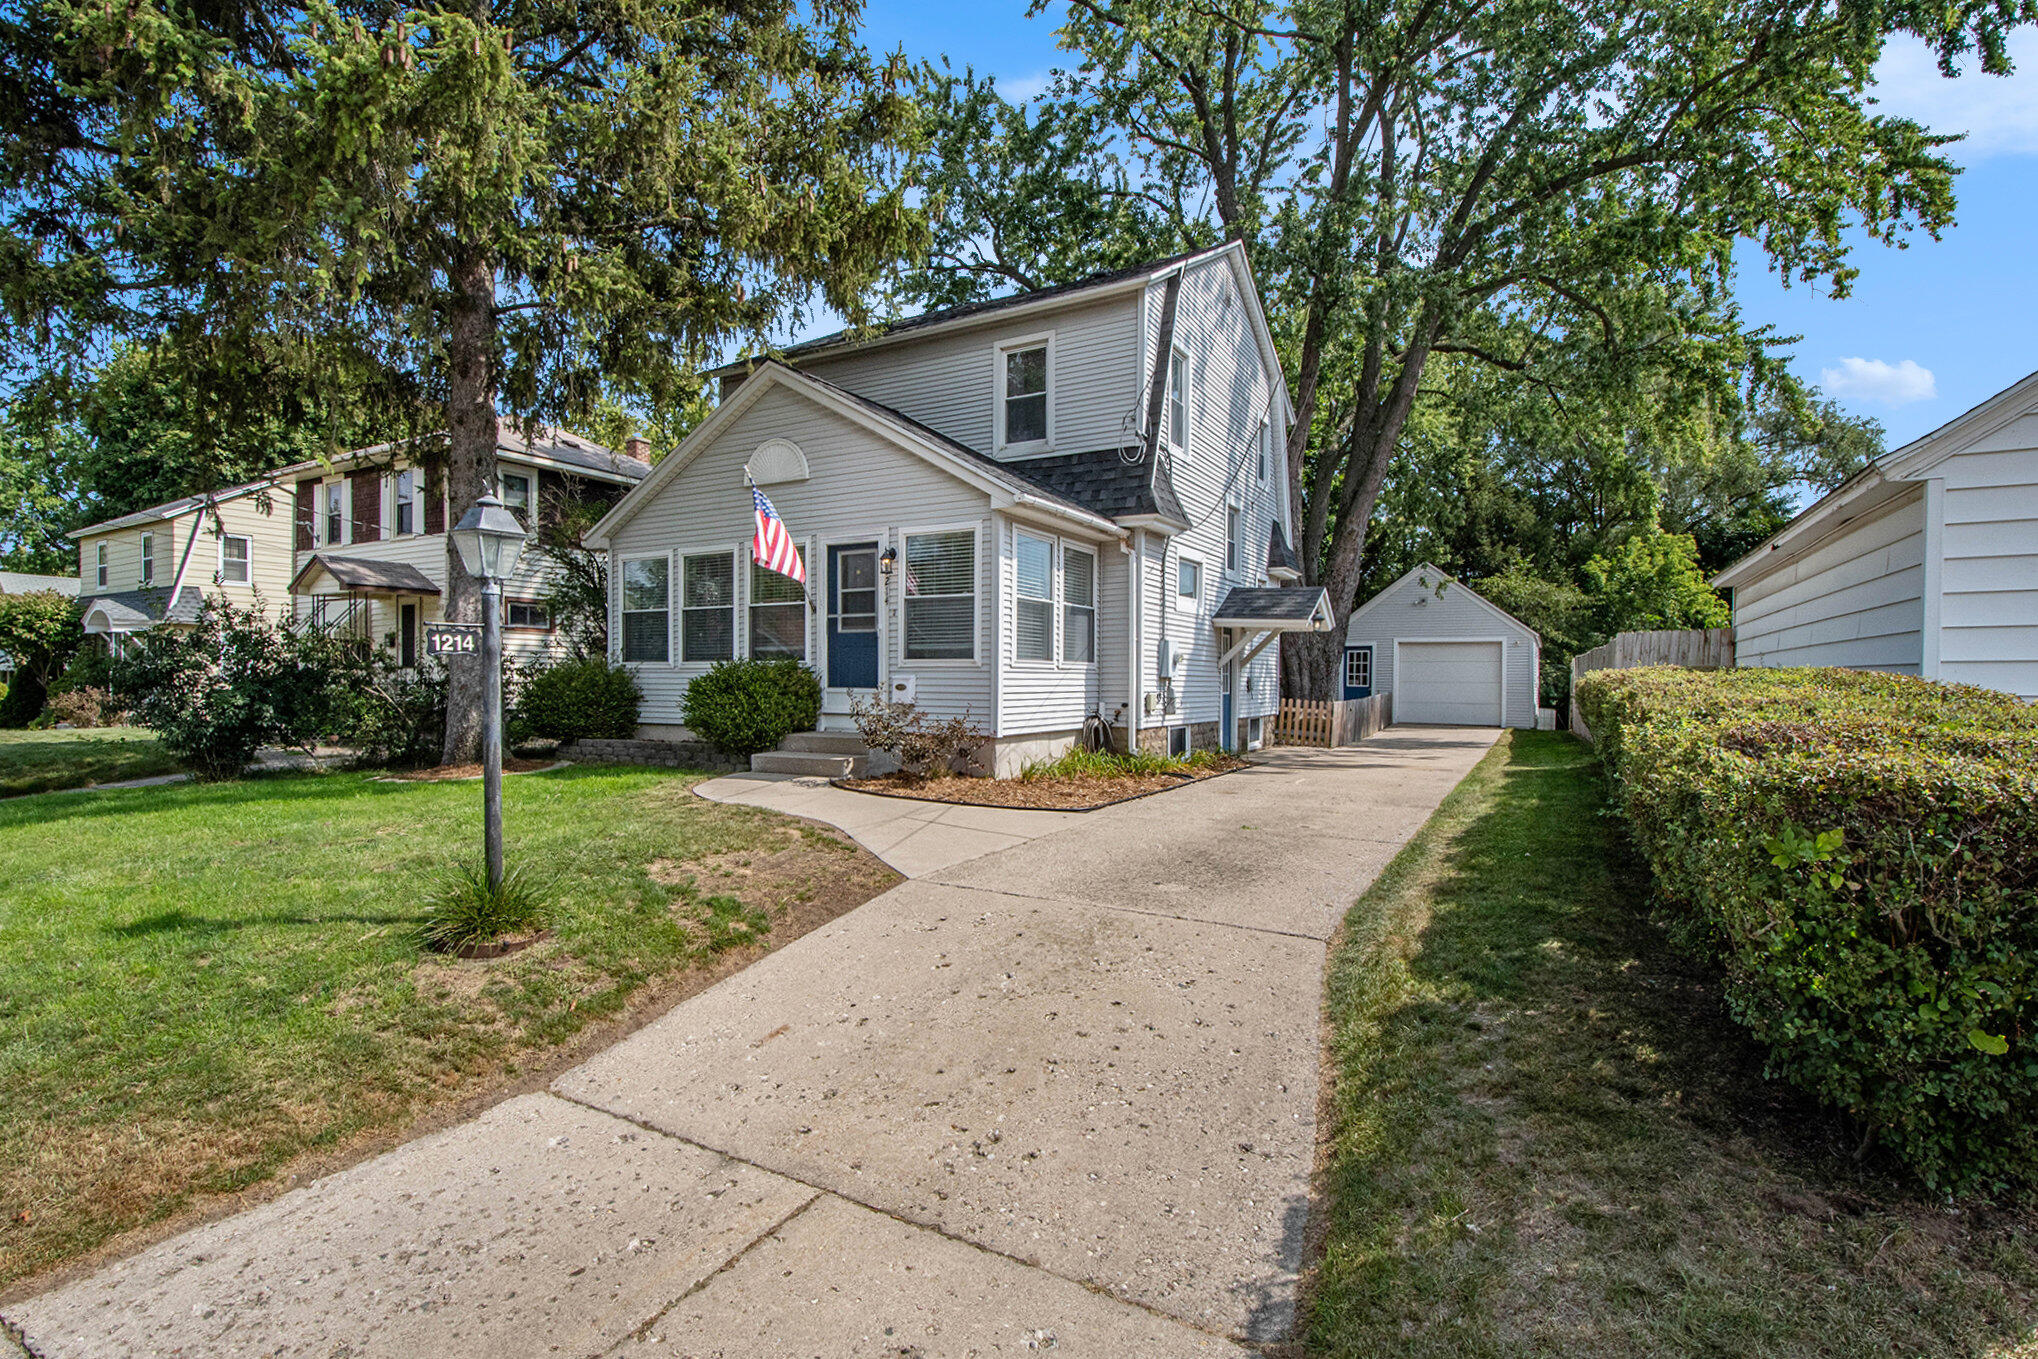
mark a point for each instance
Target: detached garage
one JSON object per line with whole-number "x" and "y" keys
{"x": 1449, "y": 657}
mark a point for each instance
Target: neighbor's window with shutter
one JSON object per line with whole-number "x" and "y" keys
{"x": 1079, "y": 605}
{"x": 941, "y": 596}
{"x": 336, "y": 519}
{"x": 647, "y": 601}
{"x": 1035, "y": 639}
{"x": 778, "y": 615}
{"x": 707, "y": 607}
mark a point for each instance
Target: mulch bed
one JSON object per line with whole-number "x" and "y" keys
{"x": 447, "y": 773}
{"x": 1044, "y": 795}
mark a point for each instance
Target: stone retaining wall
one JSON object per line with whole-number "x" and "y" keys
{"x": 666, "y": 754}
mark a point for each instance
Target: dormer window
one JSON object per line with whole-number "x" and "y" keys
{"x": 1025, "y": 374}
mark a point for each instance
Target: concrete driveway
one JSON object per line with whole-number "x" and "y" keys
{"x": 1056, "y": 1091}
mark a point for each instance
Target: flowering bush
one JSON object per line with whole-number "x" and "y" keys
{"x": 922, "y": 747}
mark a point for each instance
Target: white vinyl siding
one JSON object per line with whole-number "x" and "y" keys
{"x": 948, "y": 381}
{"x": 1988, "y": 609}
{"x": 1047, "y": 688}
{"x": 1856, "y": 599}
{"x": 1425, "y": 606}
{"x": 861, "y": 487}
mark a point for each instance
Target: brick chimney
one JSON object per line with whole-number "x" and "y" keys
{"x": 638, "y": 448}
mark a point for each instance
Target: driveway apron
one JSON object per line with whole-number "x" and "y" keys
{"x": 1056, "y": 1091}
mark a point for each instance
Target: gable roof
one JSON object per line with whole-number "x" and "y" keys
{"x": 1426, "y": 568}
{"x": 865, "y": 337}
{"x": 171, "y": 509}
{"x": 363, "y": 573}
{"x": 1880, "y": 481}
{"x": 999, "y": 479}
{"x": 1287, "y": 608}
{"x": 144, "y": 607}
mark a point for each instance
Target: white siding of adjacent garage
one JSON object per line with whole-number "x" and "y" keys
{"x": 1988, "y": 588}
{"x": 1856, "y": 599}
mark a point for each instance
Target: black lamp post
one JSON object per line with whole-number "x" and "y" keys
{"x": 488, "y": 538}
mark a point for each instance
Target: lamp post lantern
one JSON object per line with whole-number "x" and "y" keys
{"x": 488, "y": 538}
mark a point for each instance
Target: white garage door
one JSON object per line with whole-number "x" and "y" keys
{"x": 1451, "y": 683}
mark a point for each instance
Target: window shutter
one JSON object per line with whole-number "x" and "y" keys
{"x": 307, "y": 510}
{"x": 435, "y": 493}
{"x": 366, "y": 493}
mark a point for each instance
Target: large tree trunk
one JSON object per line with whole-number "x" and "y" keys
{"x": 470, "y": 471}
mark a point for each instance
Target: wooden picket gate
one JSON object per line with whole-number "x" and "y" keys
{"x": 1331, "y": 722}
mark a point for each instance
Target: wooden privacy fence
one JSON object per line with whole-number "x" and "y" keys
{"x": 1698, "y": 648}
{"x": 1331, "y": 722}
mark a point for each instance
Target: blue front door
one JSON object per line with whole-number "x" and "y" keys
{"x": 1358, "y": 672}
{"x": 852, "y": 616}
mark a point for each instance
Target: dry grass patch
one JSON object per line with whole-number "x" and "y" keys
{"x": 204, "y": 986}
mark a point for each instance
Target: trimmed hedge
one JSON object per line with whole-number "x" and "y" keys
{"x": 577, "y": 701}
{"x": 1859, "y": 852}
{"x": 747, "y": 706}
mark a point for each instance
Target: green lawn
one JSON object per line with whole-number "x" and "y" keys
{"x": 198, "y": 982}
{"x": 1548, "y": 1139}
{"x": 39, "y": 761}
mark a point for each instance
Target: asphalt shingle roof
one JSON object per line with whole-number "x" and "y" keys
{"x": 144, "y": 606}
{"x": 27, "y": 582}
{"x": 1280, "y": 557}
{"x": 1271, "y": 604}
{"x": 363, "y": 573}
{"x": 1105, "y": 483}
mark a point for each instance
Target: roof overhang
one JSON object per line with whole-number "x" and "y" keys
{"x": 1862, "y": 493}
{"x": 363, "y": 576}
{"x": 1276, "y": 608}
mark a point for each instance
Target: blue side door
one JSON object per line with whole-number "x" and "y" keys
{"x": 852, "y": 616}
{"x": 1358, "y": 672}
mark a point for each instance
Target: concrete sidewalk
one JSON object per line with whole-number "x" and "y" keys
{"x": 1055, "y": 1092}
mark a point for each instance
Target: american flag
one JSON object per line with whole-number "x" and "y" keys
{"x": 773, "y": 546}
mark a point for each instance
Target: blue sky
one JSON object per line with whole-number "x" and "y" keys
{"x": 1928, "y": 331}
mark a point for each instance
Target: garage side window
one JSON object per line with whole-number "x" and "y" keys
{"x": 1359, "y": 668}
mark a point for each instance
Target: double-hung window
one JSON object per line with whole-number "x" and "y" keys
{"x": 336, "y": 515}
{"x": 647, "y": 602}
{"x": 1023, "y": 395}
{"x": 148, "y": 559}
{"x": 99, "y": 564}
{"x": 516, "y": 496}
{"x": 1035, "y": 605}
{"x": 707, "y": 607}
{"x": 406, "y": 502}
{"x": 941, "y": 596}
{"x": 778, "y": 615}
{"x": 1178, "y": 400}
{"x": 1232, "y": 516}
{"x": 1079, "y": 605}
{"x": 233, "y": 560}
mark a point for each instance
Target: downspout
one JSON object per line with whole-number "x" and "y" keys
{"x": 1135, "y": 634}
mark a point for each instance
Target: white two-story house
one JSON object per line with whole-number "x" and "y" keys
{"x": 1038, "y": 510}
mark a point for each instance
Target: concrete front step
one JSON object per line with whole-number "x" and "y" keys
{"x": 825, "y": 743}
{"x": 805, "y": 762}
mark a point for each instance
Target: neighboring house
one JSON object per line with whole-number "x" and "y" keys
{"x": 1925, "y": 564}
{"x": 1041, "y": 510}
{"x": 1448, "y": 656}
{"x": 156, "y": 566}
{"x": 369, "y": 532}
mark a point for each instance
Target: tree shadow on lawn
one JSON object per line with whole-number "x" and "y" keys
{"x": 1552, "y": 1139}
{"x": 180, "y": 921}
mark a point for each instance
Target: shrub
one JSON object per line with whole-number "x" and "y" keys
{"x": 1081, "y": 763}
{"x": 747, "y": 706}
{"x": 39, "y": 629}
{"x": 84, "y": 707}
{"x": 1860, "y": 854}
{"x": 388, "y": 713}
{"x": 231, "y": 684}
{"x": 465, "y": 910}
{"x": 922, "y": 747}
{"x": 578, "y": 700}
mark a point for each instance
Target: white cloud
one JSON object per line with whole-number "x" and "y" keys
{"x": 1999, "y": 114}
{"x": 1891, "y": 384}
{"x": 1020, "y": 89}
